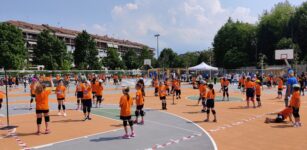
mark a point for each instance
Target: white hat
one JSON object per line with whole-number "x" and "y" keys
{"x": 100, "y": 81}
{"x": 296, "y": 85}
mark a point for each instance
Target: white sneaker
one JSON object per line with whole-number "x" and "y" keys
{"x": 59, "y": 114}
{"x": 295, "y": 125}
{"x": 64, "y": 114}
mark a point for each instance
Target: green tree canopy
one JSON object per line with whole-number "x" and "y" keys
{"x": 51, "y": 52}
{"x": 86, "y": 52}
{"x": 168, "y": 59}
{"x": 130, "y": 59}
{"x": 112, "y": 61}
{"x": 12, "y": 47}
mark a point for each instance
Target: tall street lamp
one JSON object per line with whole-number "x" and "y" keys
{"x": 157, "y": 36}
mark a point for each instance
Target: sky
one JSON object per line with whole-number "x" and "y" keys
{"x": 184, "y": 25}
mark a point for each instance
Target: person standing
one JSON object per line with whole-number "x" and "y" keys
{"x": 289, "y": 86}
{"x": 60, "y": 94}
{"x": 87, "y": 100}
{"x": 125, "y": 112}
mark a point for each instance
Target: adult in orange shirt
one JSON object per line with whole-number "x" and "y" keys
{"x": 225, "y": 83}
{"x": 281, "y": 116}
{"x": 202, "y": 94}
{"x": 258, "y": 92}
{"x": 79, "y": 93}
{"x": 87, "y": 100}
{"x": 42, "y": 106}
{"x": 125, "y": 112}
{"x": 32, "y": 90}
{"x": 280, "y": 87}
{"x": 1, "y": 98}
{"x": 210, "y": 103}
{"x": 250, "y": 91}
{"x": 162, "y": 95}
{"x": 139, "y": 104}
{"x": 60, "y": 94}
{"x": 295, "y": 103}
{"x": 99, "y": 93}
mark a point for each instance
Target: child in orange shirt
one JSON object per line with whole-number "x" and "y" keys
{"x": 42, "y": 106}
{"x": 125, "y": 112}
{"x": 280, "y": 88}
{"x": 295, "y": 103}
{"x": 203, "y": 94}
{"x": 156, "y": 86}
{"x": 162, "y": 95}
{"x": 139, "y": 104}
{"x": 99, "y": 93}
{"x": 258, "y": 92}
{"x": 225, "y": 84}
{"x": 1, "y": 98}
{"x": 60, "y": 94}
{"x": 281, "y": 116}
{"x": 32, "y": 91}
{"x": 210, "y": 103}
{"x": 177, "y": 89}
{"x": 94, "y": 89}
{"x": 87, "y": 100}
{"x": 250, "y": 92}
{"x": 79, "y": 93}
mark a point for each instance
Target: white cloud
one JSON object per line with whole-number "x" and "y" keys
{"x": 182, "y": 24}
{"x": 101, "y": 29}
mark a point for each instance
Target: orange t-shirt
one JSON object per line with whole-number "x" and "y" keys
{"x": 177, "y": 85}
{"x": 250, "y": 84}
{"x": 280, "y": 84}
{"x": 225, "y": 83}
{"x": 162, "y": 91}
{"x": 156, "y": 83}
{"x": 140, "y": 98}
{"x": 94, "y": 86}
{"x": 210, "y": 95}
{"x": 125, "y": 106}
{"x": 295, "y": 99}
{"x": 1, "y": 95}
{"x": 99, "y": 90}
{"x": 286, "y": 112}
{"x": 32, "y": 86}
{"x": 202, "y": 90}
{"x": 258, "y": 89}
{"x": 42, "y": 100}
{"x": 60, "y": 91}
{"x": 87, "y": 92}
{"x": 79, "y": 87}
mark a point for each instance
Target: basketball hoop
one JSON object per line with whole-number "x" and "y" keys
{"x": 285, "y": 54}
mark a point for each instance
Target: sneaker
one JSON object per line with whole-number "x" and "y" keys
{"x": 295, "y": 125}
{"x": 135, "y": 121}
{"x": 214, "y": 120}
{"x": 142, "y": 122}
{"x": 85, "y": 118}
{"x": 206, "y": 120}
{"x": 299, "y": 124}
{"x": 126, "y": 136}
{"x": 64, "y": 114}
{"x": 89, "y": 118}
{"x": 132, "y": 134}
{"x": 59, "y": 114}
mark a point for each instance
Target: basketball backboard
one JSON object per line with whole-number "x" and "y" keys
{"x": 284, "y": 54}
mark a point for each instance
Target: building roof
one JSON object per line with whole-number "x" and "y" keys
{"x": 69, "y": 32}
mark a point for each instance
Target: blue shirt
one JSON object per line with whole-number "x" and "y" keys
{"x": 290, "y": 82}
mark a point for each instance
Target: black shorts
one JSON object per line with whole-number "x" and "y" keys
{"x": 250, "y": 92}
{"x": 139, "y": 107}
{"x": 163, "y": 98}
{"x": 1, "y": 100}
{"x": 94, "y": 93}
{"x": 210, "y": 103}
{"x": 61, "y": 99}
{"x": 32, "y": 95}
{"x": 87, "y": 102}
{"x": 125, "y": 118}
{"x": 296, "y": 112}
{"x": 42, "y": 111}
{"x": 99, "y": 98}
{"x": 279, "y": 118}
{"x": 79, "y": 94}
{"x": 279, "y": 91}
{"x": 225, "y": 88}
{"x": 258, "y": 97}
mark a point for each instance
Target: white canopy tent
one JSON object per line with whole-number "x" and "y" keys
{"x": 203, "y": 67}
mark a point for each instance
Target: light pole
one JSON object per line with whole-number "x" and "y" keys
{"x": 157, "y": 36}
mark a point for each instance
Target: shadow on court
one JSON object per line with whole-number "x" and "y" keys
{"x": 282, "y": 126}
{"x": 68, "y": 120}
{"x": 102, "y": 139}
{"x": 239, "y": 107}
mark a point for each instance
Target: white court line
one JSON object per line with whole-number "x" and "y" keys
{"x": 51, "y": 144}
{"x": 211, "y": 139}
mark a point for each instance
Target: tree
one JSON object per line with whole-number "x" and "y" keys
{"x": 168, "y": 59}
{"x": 112, "y": 61}
{"x": 51, "y": 52}
{"x": 205, "y": 56}
{"x": 86, "y": 52}
{"x": 233, "y": 36}
{"x": 188, "y": 59}
{"x": 12, "y": 47}
{"x": 273, "y": 26}
{"x": 234, "y": 59}
{"x": 298, "y": 25}
{"x": 130, "y": 59}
